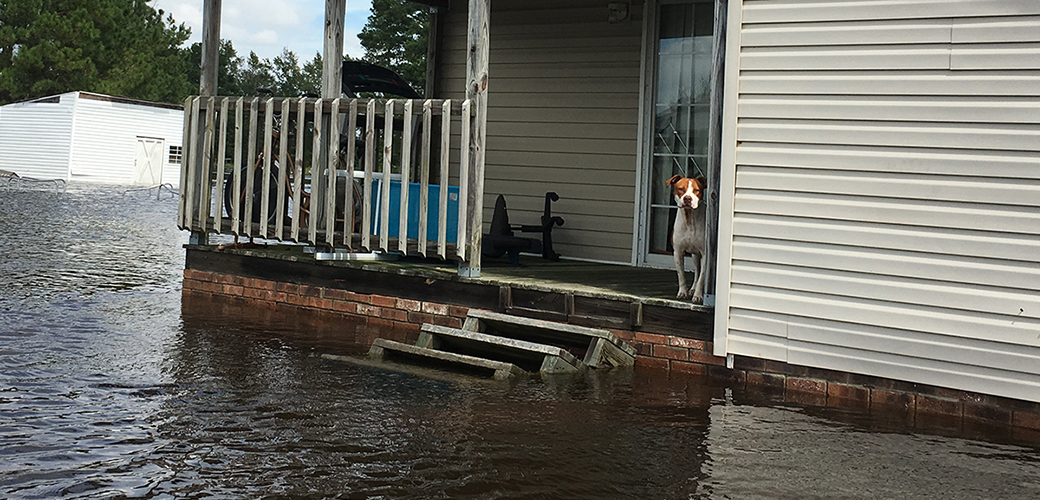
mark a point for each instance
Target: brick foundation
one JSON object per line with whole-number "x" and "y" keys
{"x": 679, "y": 355}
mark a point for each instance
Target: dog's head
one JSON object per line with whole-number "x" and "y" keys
{"x": 688, "y": 192}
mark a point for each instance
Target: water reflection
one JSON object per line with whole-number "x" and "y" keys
{"x": 113, "y": 384}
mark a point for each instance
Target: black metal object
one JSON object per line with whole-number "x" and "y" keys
{"x": 359, "y": 76}
{"x": 500, "y": 240}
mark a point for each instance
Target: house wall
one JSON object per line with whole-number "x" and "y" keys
{"x": 35, "y": 137}
{"x": 883, "y": 190}
{"x": 105, "y": 136}
{"x": 563, "y": 112}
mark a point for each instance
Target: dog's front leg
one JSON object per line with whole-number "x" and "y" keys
{"x": 684, "y": 292}
{"x": 698, "y": 287}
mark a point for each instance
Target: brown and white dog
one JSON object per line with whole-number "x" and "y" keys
{"x": 688, "y": 232}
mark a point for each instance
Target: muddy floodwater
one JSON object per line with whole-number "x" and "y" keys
{"x": 113, "y": 386}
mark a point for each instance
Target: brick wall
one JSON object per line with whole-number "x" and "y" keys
{"x": 392, "y": 313}
{"x": 400, "y": 319}
{"x": 816, "y": 387}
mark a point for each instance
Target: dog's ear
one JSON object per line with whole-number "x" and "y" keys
{"x": 673, "y": 180}
{"x": 703, "y": 183}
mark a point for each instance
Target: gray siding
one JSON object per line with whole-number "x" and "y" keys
{"x": 883, "y": 179}
{"x": 563, "y": 111}
{"x": 35, "y": 138}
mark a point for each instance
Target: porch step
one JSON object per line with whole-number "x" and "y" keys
{"x": 383, "y": 349}
{"x": 598, "y": 348}
{"x": 530, "y": 356}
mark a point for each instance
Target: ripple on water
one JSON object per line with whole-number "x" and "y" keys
{"x": 110, "y": 386}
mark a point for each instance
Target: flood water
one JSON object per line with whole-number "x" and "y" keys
{"x": 111, "y": 387}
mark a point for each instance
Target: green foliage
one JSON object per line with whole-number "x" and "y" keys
{"x": 395, "y": 37}
{"x": 121, "y": 47}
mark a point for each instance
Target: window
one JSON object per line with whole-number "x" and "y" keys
{"x": 175, "y": 154}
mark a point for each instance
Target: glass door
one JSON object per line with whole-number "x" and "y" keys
{"x": 680, "y": 114}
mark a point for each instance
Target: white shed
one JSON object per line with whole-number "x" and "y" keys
{"x": 81, "y": 136}
{"x": 881, "y": 190}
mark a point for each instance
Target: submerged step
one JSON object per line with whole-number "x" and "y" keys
{"x": 530, "y": 356}
{"x": 383, "y": 349}
{"x": 601, "y": 347}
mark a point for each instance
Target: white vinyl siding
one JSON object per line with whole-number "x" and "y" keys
{"x": 881, "y": 205}
{"x": 105, "y": 135}
{"x": 85, "y": 137}
{"x": 35, "y": 138}
{"x": 563, "y": 112}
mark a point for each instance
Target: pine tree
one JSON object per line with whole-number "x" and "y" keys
{"x": 121, "y": 47}
{"x": 395, "y": 37}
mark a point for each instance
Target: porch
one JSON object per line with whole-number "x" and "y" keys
{"x": 589, "y": 294}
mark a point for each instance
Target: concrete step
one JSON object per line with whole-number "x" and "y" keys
{"x": 383, "y": 349}
{"x": 530, "y": 356}
{"x": 598, "y": 348}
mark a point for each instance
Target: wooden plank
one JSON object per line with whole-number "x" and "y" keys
{"x": 464, "y": 150}
{"x": 382, "y": 349}
{"x": 221, "y": 155}
{"x": 351, "y": 211}
{"x": 284, "y": 164}
{"x": 268, "y": 163}
{"x": 442, "y": 211}
{"x": 482, "y": 343}
{"x": 384, "y": 183}
{"x": 251, "y": 157}
{"x": 184, "y": 211}
{"x": 406, "y": 178}
{"x": 312, "y": 223}
{"x": 424, "y": 176}
{"x": 332, "y": 50}
{"x": 193, "y": 159}
{"x": 205, "y": 192}
{"x": 210, "y": 47}
{"x": 579, "y": 335}
{"x": 236, "y": 201}
{"x": 297, "y": 188}
{"x": 330, "y": 170}
{"x": 478, "y": 40}
{"x": 370, "y": 159}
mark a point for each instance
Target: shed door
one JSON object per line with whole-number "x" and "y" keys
{"x": 148, "y": 160}
{"x": 679, "y": 115}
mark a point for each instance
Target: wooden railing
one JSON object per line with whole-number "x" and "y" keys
{"x": 381, "y": 149}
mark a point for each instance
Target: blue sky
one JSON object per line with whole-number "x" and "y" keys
{"x": 268, "y": 26}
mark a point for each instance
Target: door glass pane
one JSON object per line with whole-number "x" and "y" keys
{"x": 681, "y": 108}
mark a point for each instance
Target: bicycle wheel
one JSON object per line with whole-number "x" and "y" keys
{"x": 258, "y": 191}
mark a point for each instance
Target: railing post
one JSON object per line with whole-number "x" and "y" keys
{"x": 476, "y": 89}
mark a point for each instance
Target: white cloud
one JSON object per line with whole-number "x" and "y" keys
{"x": 269, "y": 26}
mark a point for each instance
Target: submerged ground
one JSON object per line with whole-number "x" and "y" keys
{"x": 112, "y": 387}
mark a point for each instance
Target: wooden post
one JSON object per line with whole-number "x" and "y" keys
{"x": 207, "y": 87}
{"x": 476, "y": 89}
{"x": 711, "y": 232}
{"x": 331, "y": 88}
{"x": 433, "y": 45}
{"x": 332, "y": 55}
